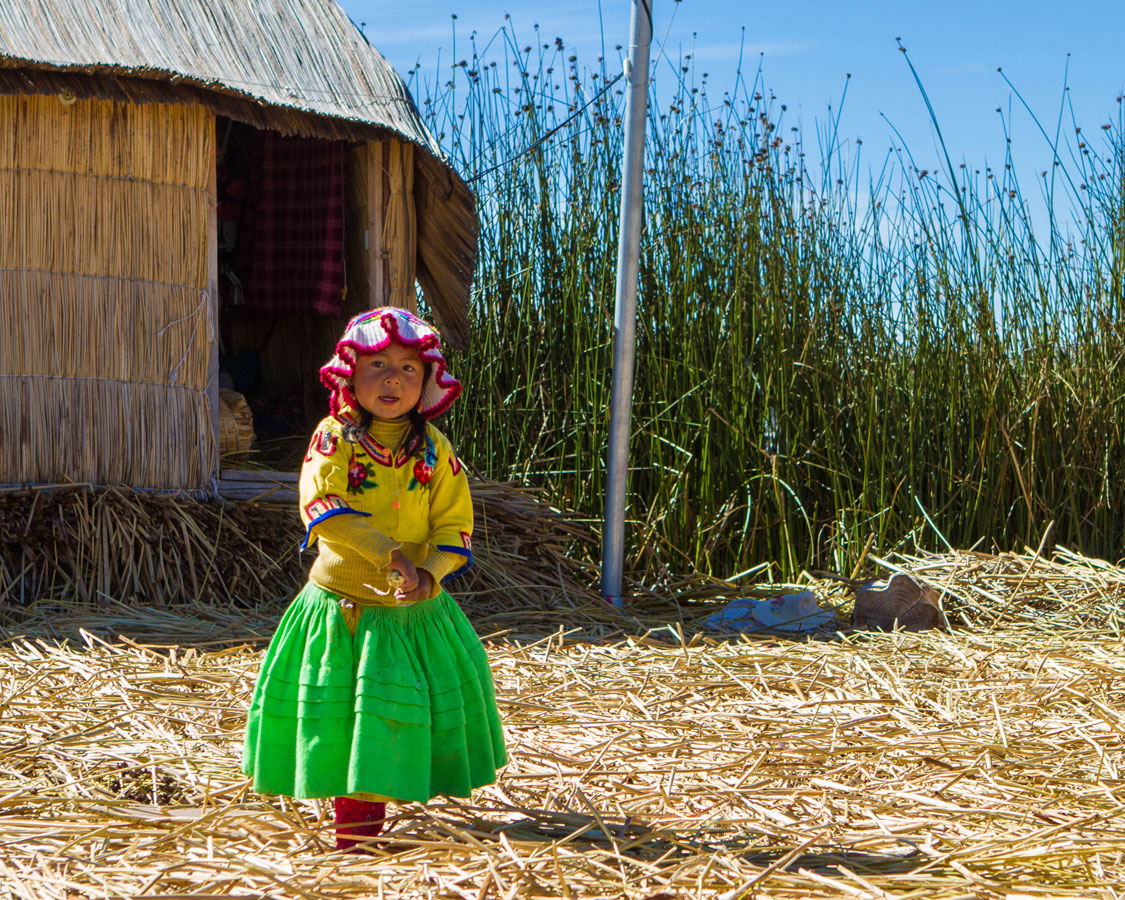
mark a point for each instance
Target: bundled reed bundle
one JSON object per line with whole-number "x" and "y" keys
{"x": 527, "y": 554}
{"x": 97, "y": 545}
{"x": 73, "y": 543}
{"x": 236, "y": 425}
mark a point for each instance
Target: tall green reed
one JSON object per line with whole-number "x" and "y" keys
{"x": 827, "y": 361}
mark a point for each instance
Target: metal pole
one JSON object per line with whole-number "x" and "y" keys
{"x": 625, "y": 315}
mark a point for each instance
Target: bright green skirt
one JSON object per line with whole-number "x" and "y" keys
{"x": 405, "y": 708}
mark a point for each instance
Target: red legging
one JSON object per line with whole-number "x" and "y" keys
{"x": 350, "y": 813}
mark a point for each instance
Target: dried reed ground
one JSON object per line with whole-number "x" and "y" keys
{"x": 938, "y": 765}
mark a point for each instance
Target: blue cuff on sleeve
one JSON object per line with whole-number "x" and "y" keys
{"x": 460, "y": 551}
{"x": 328, "y": 514}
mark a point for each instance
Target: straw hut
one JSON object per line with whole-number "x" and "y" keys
{"x": 196, "y": 194}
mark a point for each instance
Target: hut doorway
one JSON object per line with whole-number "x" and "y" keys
{"x": 282, "y": 224}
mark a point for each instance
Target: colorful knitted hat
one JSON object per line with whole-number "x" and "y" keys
{"x": 373, "y": 331}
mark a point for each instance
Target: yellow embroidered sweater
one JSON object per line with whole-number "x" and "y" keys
{"x": 361, "y": 501}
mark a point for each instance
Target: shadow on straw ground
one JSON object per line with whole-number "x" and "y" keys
{"x": 420, "y": 827}
{"x": 631, "y": 838}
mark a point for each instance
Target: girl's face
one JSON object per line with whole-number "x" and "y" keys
{"x": 388, "y": 384}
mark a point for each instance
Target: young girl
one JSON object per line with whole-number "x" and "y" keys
{"x": 375, "y": 687}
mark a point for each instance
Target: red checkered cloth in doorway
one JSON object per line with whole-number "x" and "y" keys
{"x": 293, "y": 247}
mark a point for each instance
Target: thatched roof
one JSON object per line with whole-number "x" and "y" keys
{"x": 297, "y": 66}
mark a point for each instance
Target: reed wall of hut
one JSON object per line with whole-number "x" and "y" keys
{"x": 107, "y": 326}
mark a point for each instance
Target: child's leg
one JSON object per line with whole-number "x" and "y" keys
{"x": 357, "y": 819}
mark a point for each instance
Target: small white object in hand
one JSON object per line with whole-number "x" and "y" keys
{"x": 395, "y": 580}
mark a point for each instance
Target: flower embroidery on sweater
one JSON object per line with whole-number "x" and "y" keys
{"x": 359, "y": 478}
{"x": 424, "y": 468}
{"x": 422, "y": 472}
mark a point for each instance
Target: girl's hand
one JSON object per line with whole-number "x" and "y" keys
{"x": 405, "y": 567}
{"x": 421, "y": 591}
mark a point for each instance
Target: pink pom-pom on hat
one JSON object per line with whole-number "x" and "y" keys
{"x": 375, "y": 330}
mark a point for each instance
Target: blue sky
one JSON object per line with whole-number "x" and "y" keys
{"x": 807, "y": 49}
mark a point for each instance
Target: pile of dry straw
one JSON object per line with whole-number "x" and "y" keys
{"x": 648, "y": 761}
{"x": 73, "y": 543}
